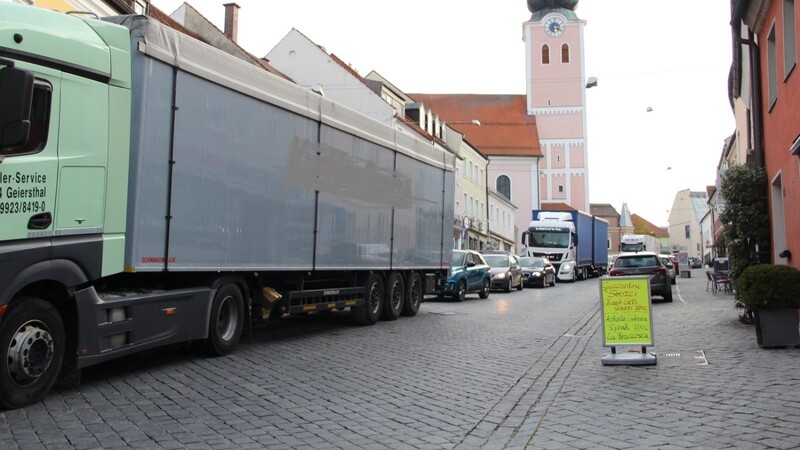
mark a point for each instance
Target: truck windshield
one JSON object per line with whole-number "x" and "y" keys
{"x": 631, "y": 247}
{"x": 548, "y": 238}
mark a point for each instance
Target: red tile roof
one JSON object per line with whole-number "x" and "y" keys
{"x": 506, "y": 129}
{"x": 653, "y": 230}
{"x": 557, "y": 207}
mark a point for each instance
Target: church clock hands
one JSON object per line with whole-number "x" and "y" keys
{"x": 554, "y": 26}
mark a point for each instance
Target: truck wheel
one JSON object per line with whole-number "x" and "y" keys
{"x": 461, "y": 291}
{"x": 395, "y": 296}
{"x": 32, "y": 345}
{"x": 413, "y": 296}
{"x": 487, "y": 287}
{"x": 370, "y": 311}
{"x": 226, "y": 321}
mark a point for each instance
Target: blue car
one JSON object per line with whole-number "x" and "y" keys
{"x": 468, "y": 273}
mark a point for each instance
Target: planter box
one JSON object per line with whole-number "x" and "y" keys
{"x": 777, "y": 327}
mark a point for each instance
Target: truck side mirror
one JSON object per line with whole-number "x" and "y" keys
{"x": 525, "y": 238}
{"x": 575, "y": 238}
{"x": 16, "y": 90}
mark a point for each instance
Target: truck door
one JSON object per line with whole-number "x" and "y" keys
{"x": 82, "y": 155}
{"x": 28, "y": 174}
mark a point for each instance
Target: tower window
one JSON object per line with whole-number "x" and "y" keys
{"x": 545, "y": 54}
{"x": 504, "y": 186}
{"x": 565, "y": 54}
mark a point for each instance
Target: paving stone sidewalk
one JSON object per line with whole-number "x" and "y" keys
{"x": 744, "y": 397}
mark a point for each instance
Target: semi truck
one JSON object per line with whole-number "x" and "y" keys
{"x": 639, "y": 243}
{"x": 155, "y": 190}
{"x": 574, "y": 241}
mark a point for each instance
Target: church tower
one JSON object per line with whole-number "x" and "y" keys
{"x": 556, "y": 96}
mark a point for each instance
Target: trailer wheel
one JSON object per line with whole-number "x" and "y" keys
{"x": 395, "y": 297}
{"x": 32, "y": 345}
{"x": 413, "y": 296}
{"x": 226, "y": 322}
{"x": 370, "y": 311}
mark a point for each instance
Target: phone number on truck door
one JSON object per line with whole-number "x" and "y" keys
{"x": 21, "y": 207}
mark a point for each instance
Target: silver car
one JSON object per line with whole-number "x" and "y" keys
{"x": 667, "y": 260}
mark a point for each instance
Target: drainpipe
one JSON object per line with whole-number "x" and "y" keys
{"x": 755, "y": 87}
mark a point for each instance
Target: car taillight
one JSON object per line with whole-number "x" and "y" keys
{"x": 615, "y": 272}
{"x": 662, "y": 270}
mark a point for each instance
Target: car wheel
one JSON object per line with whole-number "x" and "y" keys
{"x": 675, "y": 280}
{"x": 484, "y": 292}
{"x": 544, "y": 282}
{"x": 668, "y": 296}
{"x": 519, "y": 286}
{"x": 553, "y": 283}
{"x": 508, "y": 286}
{"x": 461, "y": 291}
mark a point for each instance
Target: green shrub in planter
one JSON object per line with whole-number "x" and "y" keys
{"x": 766, "y": 286}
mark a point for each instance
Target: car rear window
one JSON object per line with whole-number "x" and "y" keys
{"x": 637, "y": 261}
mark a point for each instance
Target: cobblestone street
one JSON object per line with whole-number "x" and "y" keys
{"x": 518, "y": 370}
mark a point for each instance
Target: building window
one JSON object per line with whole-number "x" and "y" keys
{"x": 772, "y": 68}
{"x": 565, "y": 54}
{"x": 504, "y": 186}
{"x": 688, "y": 230}
{"x": 560, "y": 188}
{"x": 789, "y": 38}
{"x": 545, "y": 54}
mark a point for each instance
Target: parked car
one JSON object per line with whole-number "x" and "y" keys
{"x": 506, "y": 271}
{"x": 695, "y": 262}
{"x": 645, "y": 263}
{"x": 673, "y": 274}
{"x": 676, "y": 263}
{"x": 537, "y": 271}
{"x": 468, "y": 273}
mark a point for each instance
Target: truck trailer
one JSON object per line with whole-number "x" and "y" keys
{"x": 155, "y": 190}
{"x": 574, "y": 241}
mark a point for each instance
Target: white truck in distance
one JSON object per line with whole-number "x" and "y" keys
{"x": 639, "y": 243}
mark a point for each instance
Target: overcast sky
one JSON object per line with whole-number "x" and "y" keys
{"x": 669, "y": 55}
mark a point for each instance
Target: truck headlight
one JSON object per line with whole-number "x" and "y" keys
{"x": 566, "y": 267}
